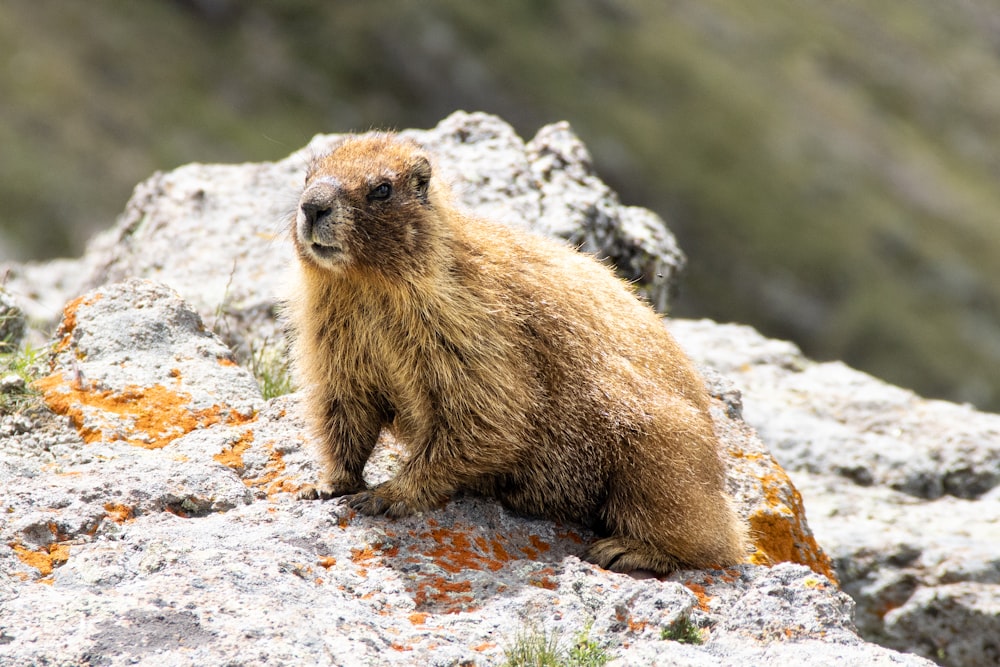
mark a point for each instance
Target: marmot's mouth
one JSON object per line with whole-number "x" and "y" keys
{"x": 325, "y": 251}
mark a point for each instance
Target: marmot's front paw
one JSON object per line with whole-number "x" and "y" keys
{"x": 375, "y": 501}
{"x": 325, "y": 491}
{"x": 386, "y": 499}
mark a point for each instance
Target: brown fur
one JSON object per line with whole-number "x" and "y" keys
{"x": 509, "y": 365}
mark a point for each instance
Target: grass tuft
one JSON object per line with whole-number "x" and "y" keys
{"x": 540, "y": 648}
{"x": 269, "y": 366}
{"x": 682, "y": 631}
{"x": 18, "y": 369}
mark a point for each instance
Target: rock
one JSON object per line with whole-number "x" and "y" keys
{"x": 10, "y": 383}
{"x": 181, "y": 542}
{"x": 217, "y": 233}
{"x": 135, "y": 363}
{"x": 902, "y": 491}
{"x": 131, "y": 542}
{"x": 151, "y": 515}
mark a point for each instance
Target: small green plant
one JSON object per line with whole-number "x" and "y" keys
{"x": 683, "y": 631}
{"x": 18, "y": 369}
{"x": 585, "y": 652}
{"x": 539, "y": 648}
{"x": 270, "y": 366}
{"x": 533, "y": 648}
{"x": 267, "y": 363}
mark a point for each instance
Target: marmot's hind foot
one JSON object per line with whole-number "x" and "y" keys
{"x": 622, "y": 554}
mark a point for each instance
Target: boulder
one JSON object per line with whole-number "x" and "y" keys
{"x": 150, "y": 507}
{"x": 902, "y": 491}
{"x": 218, "y": 233}
{"x": 155, "y": 518}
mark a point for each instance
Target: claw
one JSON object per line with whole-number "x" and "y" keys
{"x": 323, "y": 491}
{"x": 398, "y": 510}
{"x": 367, "y": 502}
{"x": 621, "y": 554}
{"x": 309, "y": 492}
{"x": 373, "y": 503}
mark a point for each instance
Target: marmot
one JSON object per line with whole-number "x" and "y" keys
{"x": 509, "y": 364}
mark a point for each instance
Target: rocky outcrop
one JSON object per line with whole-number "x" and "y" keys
{"x": 216, "y": 233}
{"x": 156, "y": 520}
{"x": 150, "y": 509}
{"x": 902, "y": 492}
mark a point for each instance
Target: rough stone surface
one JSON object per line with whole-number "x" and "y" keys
{"x": 128, "y": 541}
{"x": 133, "y": 362}
{"x": 150, "y": 513}
{"x": 902, "y": 492}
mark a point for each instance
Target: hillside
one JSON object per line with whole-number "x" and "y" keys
{"x": 828, "y": 167}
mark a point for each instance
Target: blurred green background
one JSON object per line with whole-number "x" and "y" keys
{"x": 829, "y": 166}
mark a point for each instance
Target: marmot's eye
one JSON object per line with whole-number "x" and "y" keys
{"x": 380, "y": 192}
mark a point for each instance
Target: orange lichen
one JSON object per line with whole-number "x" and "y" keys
{"x": 273, "y": 479}
{"x": 57, "y": 533}
{"x": 150, "y": 417}
{"x": 418, "y": 617}
{"x": 176, "y": 511}
{"x": 373, "y": 555}
{"x": 232, "y": 456}
{"x": 455, "y": 551}
{"x": 570, "y": 535}
{"x": 778, "y": 529}
{"x": 485, "y": 646}
{"x": 538, "y": 544}
{"x": 499, "y": 552}
{"x": 445, "y": 593}
{"x": 635, "y": 625}
{"x": 543, "y": 579}
{"x": 119, "y": 513}
{"x": 699, "y": 592}
{"x": 363, "y": 556}
{"x": 44, "y": 559}
{"x": 68, "y": 323}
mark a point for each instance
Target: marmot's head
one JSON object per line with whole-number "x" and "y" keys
{"x": 366, "y": 205}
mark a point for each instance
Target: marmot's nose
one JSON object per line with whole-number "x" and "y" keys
{"x": 315, "y": 212}
{"x": 317, "y": 203}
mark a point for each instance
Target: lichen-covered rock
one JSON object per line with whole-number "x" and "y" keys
{"x": 767, "y": 499}
{"x": 903, "y": 492}
{"x": 151, "y": 516}
{"x": 133, "y": 362}
{"x": 178, "y": 546}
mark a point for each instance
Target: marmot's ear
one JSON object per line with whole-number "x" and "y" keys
{"x": 422, "y": 177}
